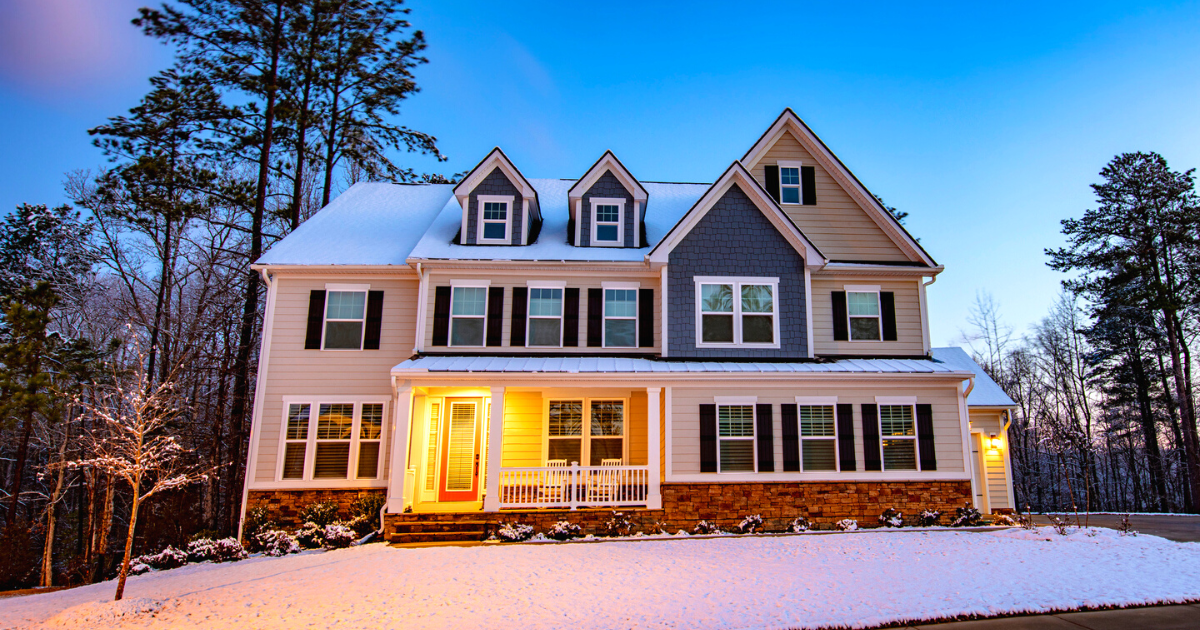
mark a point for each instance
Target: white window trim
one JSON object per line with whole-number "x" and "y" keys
{"x": 735, "y": 400}
{"x": 585, "y": 446}
{"x": 310, "y": 448}
{"x": 861, "y": 288}
{"x": 737, "y": 282}
{"x": 604, "y": 317}
{"x": 468, "y": 284}
{"x": 365, "y": 289}
{"x": 782, "y": 164}
{"x": 753, "y": 438}
{"x": 562, "y": 307}
{"x": 819, "y": 401}
{"x": 816, "y": 400}
{"x": 509, "y": 203}
{"x": 903, "y": 402}
{"x": 609, "y": 201}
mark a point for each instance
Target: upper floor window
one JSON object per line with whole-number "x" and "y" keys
{"x": 620, "y": 318}
{"x": 545, "y": 317}
{"x": 494, "y": 219}
{"x": 862, "y": 307}
{"x": 737, "y": 312}
{"x": 345, "y": 315}
{"x": 468, "y": 314}
{"x": 607, "y": 218}
{"x": 332, "y": 440}
{"x": 899, "y": 436}
{"x": 789, "y": 184}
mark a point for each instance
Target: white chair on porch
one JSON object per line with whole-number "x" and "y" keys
{"x": 555, "y": 479}
{"x": 606, "y": 484}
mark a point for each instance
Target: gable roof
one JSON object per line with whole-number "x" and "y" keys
{"x": 493, "y": 160}
{"x": 789, "y": 121}
{"x": 987, "y": 393}
{"x": 737, "y": 174}
{"x": 608, "y": 162}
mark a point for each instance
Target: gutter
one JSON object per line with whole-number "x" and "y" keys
{"x": 261, "y": 380}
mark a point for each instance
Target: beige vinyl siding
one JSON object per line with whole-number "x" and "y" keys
{"x": 995, "y": 473}
{"x": 909, "y": 334}
{"x": 837, "y": 225}
{"x": 294, "y": 371}
{"x": 509, "y": 282}
{"x": 685, "y": 418}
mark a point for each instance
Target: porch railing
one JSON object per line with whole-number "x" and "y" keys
{"x": 574, "y": 486}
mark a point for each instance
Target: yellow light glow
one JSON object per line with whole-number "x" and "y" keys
{"x": 993, "y": 443}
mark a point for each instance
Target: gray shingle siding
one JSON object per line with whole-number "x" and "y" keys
{"x": 494, "y": 184}
{"x": 735, "y": 239}
{"x": 608, "y": 186}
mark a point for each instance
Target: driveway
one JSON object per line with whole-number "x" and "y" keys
{"x": 1177, "y": 528}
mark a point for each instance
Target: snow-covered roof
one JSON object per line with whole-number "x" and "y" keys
{"x": 625, "y": 365}
{"x": 369, "y": 224}
{"x": 986, "y": 392}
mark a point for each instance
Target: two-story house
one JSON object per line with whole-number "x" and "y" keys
{"x": 514, "y": 349}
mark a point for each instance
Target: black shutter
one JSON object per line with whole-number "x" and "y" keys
{"x": 595, "y": 324}
{"x": 841, "y": 331}
{"x": 771, "y": 181}
{"x": 808, "y": 185}
{"x": 441, "y": 316}
{"x": 925, "y": 437}
{"x": 495, "y": 316}
{"x": 870, "y": 425}
{"x": 520, "y": 307}
{"x": 791, "y": 438}
{"x": 571, "y": 317}
{"x": 708, "y": 438}
{"x": 845, "y": 430}
{"x": 887, "y": 307}
{"x": 766, "y": 441}
{"x": 316, "y": 319}
{"x": 374, "y": 320}
{"x": 646, "y": 318}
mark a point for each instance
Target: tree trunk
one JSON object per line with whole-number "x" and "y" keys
{"x": 1187, "y": 410}
{"x": 160, "y": 299}
{"x": 48, "y": 550}
{"x": 19, "y": 469}
{"x": 133, "y": 514}
{"x": 302, "y": 126}
{"x": 1149, "y": 428}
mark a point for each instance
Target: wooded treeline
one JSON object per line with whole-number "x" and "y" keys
{"x": 271, "y": 108}
{"x": 1105, "y": 388}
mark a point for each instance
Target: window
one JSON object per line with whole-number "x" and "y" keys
{"x": 862, "y": 307}
{"x": 334, "y": 425}
{"x": 899, "y": 434}
{"x": 370, "y": 432}
{"x": 296, "y": 442}
{"x": 607, "y": 215}
{"x": 735, "y": 434}
{"x": 545, "y": 317}
{"x": 738, "y": 312}
{"x": 493, "y": 219}
{"x": 620, "y": 318}
{"x": 818, "y": 437}
{"x": 789, "y": 184}
{"x": 345, "y": 313}
{"x": 468, "y": 312}
{"x": 601, "y": 438}
{"x": 342, "y": 442}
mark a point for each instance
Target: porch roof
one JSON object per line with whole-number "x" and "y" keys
{"x": 626, "y": 365}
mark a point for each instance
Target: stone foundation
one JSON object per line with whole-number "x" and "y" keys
{"x": 285, "y": 505}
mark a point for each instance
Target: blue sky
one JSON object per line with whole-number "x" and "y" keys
{"x": 986, "y": 124}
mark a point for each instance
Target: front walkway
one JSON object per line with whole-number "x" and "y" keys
{"x": 1179, "y": 617}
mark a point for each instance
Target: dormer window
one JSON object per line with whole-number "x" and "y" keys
{"x": 493, "y": 219}
{"x": 789, "y": 182}
{"x": 608, "y": 215}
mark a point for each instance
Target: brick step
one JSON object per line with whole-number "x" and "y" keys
{"x": 428, "y": 527}
{"x": 422, "y": 537}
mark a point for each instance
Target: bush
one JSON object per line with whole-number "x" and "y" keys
{"x": 891, "y": 518}
{"x": 310, "y": 536}
{"x": 257, "y": 520}
{"x": 565, "y": 530}
{"x": 846, "y": 525}
{"x": 1125, "y": 528}
{"x": 1060, "y": 525}
{"x": 799, "y": 524}
{"x": 322, "y": 513}
{"x": 704, "y": 528}
{"x": 169, "y": 558}
{"x": 338, "y": 536}
{"x": 1003, "y": 519}
{"x": 929, "y": 518}
{"x": 207, "y": 549}
{"x": 274, "y": 542}
{"x": 618, "y": 525}
{"x": 752, "y": 524}
{"x": 514, "y": 532}
{"x": 368, "y": 507}
{"x": 966, "y": 516}
{"x": 361, "y": 525}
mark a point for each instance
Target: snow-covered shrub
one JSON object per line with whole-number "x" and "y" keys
{"x": 891, "y": 518}
{"x": 565, "y": 530}
{"x": 322, "y": 513}
{"x": 704, "y": 528}
{"x": 659, "y": 527}
{"x": 1003, "y": 519}
{"x": 361, "y": 525}
{"x": 514, "y": 532}
{"x": 966, "y": 516}
{"x": 799, "y": 524}
{"x": 258, "y": 519}
{"x": 207, "y": 549}
{"x": 310, "y": 536}
{"x": 929, "y": 518}
{"x": 138, "y": 568}
{"x": 1060, "y": 525}
{"x": 752, "y": 524}
{"x": 168, "y": 558}
{"x": 846, "y": 525}
{"x": 338, "y": 536}
{"x": 1125, "y": 528}
{"x": 618, "y": 525}
{"x": 275, "y": 542}
{"x": 367, "y": 506}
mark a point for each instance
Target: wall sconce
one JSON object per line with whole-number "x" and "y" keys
{"x": 993, "y": 443}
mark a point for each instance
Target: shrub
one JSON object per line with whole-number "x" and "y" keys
{"x": 361, "y": 525}
{"x": 168, "y": 558}
{"x": 274, "y": 542}
{"x": 368, "y": 507}
{"x": 1003, "y": 519}
{"x": 207, "y": 549}
{"x": 322, "y": 513}
{"x": 618, "y": 525}
{"x": 929, "y": 518}
{"x": 1060, "y": 526}
{"x": 338, "y": 536}
{"x": 1125, "y": 528}
{"x": 966, "y": 516}
{"x": 565, "y": 530}
{"x": 310, "y": 536}
{"x": 799, "y": 524}
{"x": 891, "y": 518}
{"x": 514, "y": 532}
{"x": 704, "y": 528}
{"x": 846, "y": 525}
{"x": 752, "y": 524}
{"x": 258, "y": 519}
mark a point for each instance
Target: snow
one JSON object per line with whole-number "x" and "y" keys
{"x": 986, "y": 393}
{"x": 857, "y": 579}
{"x": 572, "y": 365}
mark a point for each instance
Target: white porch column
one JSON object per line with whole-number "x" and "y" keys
{"x": 491, "y": 501}
{"x": 654, "y": 443}
{"x": 397, "y": 498}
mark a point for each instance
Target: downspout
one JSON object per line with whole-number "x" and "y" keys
{"x": 423, "y": 288}
{"x": 256, "y": 409}
{"x": 970, "y": 386}
{"x": 928, "y": 342}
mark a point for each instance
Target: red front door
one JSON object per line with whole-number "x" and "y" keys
{"x": 460, "y": 465}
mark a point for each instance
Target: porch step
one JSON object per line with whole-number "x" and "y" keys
{"x": 430, "y": 537}
{"x": 422, "y": 527}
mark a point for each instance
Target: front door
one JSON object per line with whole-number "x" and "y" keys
{"x": 460, "y": 463}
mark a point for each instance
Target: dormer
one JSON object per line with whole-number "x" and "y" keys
{"x": 499, "y": 206}
{"x": 607, "y": 205}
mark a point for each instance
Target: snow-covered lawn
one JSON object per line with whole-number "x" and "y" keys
{"x": 807, "y": 581}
